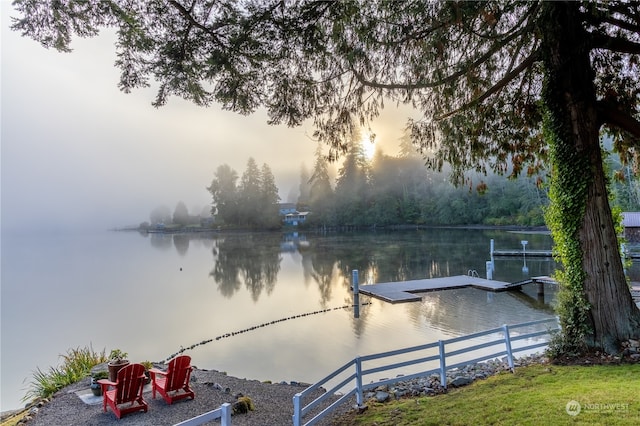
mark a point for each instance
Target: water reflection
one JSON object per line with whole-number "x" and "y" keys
{"x": 181, "y": 243}
{"x": 459, "y": 309}
{"x": 269, "y": 276}
{"x": 252, "y": 260}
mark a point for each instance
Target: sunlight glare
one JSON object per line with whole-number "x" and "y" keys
{"x": 369, "y": 146}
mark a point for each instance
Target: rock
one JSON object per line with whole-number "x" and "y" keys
{"x": 461, "y": 381}
{"x": 361, "y": 408}
{"x": 400, "y": 393}
{"x": 382, "y": 396}
{"x": 634, "y": 343}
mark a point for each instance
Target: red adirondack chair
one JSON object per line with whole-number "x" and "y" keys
{"x": 173, "y": 384}
{"x": 126, "y": 395}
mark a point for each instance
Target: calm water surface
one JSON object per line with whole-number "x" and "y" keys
{"x": 151, "y": 295}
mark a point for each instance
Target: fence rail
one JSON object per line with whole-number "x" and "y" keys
{"x": 427, "y": 354}
{"x": 223, "y": 413}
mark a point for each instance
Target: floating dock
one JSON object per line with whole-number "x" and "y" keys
{"x": 521, "y": 253}
{"x": 405, "y": 291}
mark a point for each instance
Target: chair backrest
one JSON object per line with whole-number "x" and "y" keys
{"x": 178, "y": 372}
{"x": 129, "y": 383}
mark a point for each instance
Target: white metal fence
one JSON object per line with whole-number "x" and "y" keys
{"x": 223, "y": 413}
{"x": 436, "y": 357}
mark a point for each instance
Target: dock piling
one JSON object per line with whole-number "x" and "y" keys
{"x": 356, "y": 293}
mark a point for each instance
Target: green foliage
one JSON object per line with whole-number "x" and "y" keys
{"x": 103, "y": 374}
{"x": 224, "y": 191}
{"x": 76, "y": 365}
{"x": 253, "y": 203}
{"x": 568, "y": 191}
{"x": 400, "y": 191}
{"x": 147, "y": 365}
{"x": 243, "y": 405}
{"x": 181, "y": 214}
{"x": 116, "y": 355}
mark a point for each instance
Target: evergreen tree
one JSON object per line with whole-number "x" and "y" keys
{"x": 225, "y": 195}
{"x": 304, "y": 189}
{"x": 352, "y": 185}
{"x": 250, "y": 195}
{"x": 181, "y": 214}
{"x": 321, "y": 196}
{"x": 269, "y": 198}
{"x": 160, "y": 214}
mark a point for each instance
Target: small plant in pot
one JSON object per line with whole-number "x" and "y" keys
{"x": 95, "y": 386}
{"x": 147, "y": 366}
{"x": 117, "y": 360}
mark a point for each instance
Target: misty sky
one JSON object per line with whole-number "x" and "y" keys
{"x": 78, "y": 153}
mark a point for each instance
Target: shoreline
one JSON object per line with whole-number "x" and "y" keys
{"x": 274, "y": 401}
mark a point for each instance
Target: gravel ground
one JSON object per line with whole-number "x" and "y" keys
{"x": 273, "y": 404}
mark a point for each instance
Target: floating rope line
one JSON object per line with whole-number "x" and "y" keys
{"x": 235, "y": 333}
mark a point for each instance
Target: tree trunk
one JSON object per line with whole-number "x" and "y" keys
{"x": 613, "y": 316}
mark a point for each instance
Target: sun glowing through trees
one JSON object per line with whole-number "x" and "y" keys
{"x": 369, "y": 145}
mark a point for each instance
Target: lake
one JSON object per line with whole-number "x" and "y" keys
{"x": 152, "y": 294}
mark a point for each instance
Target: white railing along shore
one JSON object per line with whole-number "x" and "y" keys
{"x": 437, "y": 354}
{"x": 223, "y": 413}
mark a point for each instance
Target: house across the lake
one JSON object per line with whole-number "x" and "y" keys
{"x": 295, "y": 219}
{"x": 287, "y": 208}
{"x": 290, "y": 215}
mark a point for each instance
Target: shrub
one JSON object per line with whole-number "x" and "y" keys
{"x": 244, "y": 404}
{"x": 76, "y": 365}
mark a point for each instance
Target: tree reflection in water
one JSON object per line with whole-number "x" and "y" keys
{"x": 252, "y": 259}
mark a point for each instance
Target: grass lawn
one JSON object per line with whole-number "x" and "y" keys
{"x": 535, "y": 395}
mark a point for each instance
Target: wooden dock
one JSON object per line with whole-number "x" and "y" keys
{"x": 520, "y": 253}
{"x": 405, "y": 291}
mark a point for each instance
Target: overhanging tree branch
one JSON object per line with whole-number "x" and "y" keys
{"x": 609, "y": 113}
{"x": 449, "y": 78}
{"x": 615, "y": 44}
{"x": 530, "y": 60}
{"x": 611, "y": 20}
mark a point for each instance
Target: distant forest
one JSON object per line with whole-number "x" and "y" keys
{"x": 384, "y": 191}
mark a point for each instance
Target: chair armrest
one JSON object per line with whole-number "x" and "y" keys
{"x": 154, "y": 371}
{"x": 104, "y": 384}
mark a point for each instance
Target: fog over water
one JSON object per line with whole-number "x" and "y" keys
{"x": 78, "y": 153}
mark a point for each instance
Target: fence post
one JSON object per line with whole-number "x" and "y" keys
{"x": 297, "y": 415}
{"x": 225, "y": 414}
{"x": 507, "y": 342}
{"x": 359, "y": 390}
{"x": 443, "y": 365}
{"x": 491, "y": 250}
{"x": 356, "y": 294}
